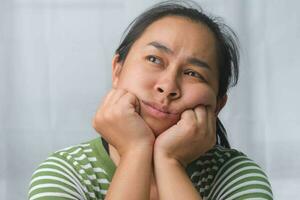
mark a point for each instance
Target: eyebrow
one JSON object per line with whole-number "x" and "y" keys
{"x": 191, "y": 60}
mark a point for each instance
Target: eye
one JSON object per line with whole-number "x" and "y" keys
{"x": 196, "y": 75}
{"x": 154, "y": 59}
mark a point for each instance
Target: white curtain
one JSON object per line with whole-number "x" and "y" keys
{"x": 55, "y": 66}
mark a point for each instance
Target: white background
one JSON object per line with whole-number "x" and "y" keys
{"x": 55, "y": 67}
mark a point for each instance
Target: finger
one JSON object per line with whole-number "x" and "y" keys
{"x": 201, "y": 115}
{"x": 188, "y": 116}
{"x": 108, "y": 96}
{"x": 211, "y": 119}
{"x": 117, "y": 95}
{"x": 131, "y": 100}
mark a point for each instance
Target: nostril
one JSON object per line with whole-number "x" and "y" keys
{"x": 173, "y": 94}
{"x": 160, "y": 90}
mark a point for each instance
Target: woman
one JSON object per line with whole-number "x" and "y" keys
{"x": 161, "y": 138}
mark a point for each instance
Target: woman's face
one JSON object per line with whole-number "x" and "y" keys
{"x": 170, "y": 68}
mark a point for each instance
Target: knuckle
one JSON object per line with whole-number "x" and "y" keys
{"x": 97, "y": 121}
{"x": 129, "y": 96}
{"x": 121, "y": 90}
{"x": 109, "y": 116}
{"x": 190, "y": 126}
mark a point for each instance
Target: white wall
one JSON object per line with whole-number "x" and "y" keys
{"x": 55, "y": 67}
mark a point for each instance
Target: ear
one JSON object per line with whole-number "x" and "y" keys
{"x": 220, "y": 104}
{"x": 116, "y": 70}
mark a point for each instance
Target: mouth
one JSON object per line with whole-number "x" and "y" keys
{"x": 159, "y": 111}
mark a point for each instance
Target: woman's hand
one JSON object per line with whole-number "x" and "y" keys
{"x": 192, "y": 136}
{"x": 119, "y": 123}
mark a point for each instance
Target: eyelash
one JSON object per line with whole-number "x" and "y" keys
{"x": 151, "y": 56}
{"x": 197, "y": 75}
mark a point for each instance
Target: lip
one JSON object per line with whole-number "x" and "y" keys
{"x": 159, "y": 111}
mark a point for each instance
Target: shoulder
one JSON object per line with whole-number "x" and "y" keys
{"x": 230, "y": 174}
{"x": 74, "y": 172}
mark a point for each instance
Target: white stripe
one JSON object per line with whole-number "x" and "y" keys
{"x": 240, "y": 186}
{"x": 66, "y": 176}
{"x": 51, "y": 185}
{"x": 197, "y": 173}
{"x": 206, "y": 162}
{"x": 250, "y": 191}
{"x": 92, "y": 177}
{"x": 240, "y": 178}
{"x": 91, "y": 194}
{"x": 70, "y": 176}
{"x": 217, "y": 178}
{"x": 75, "y": 152}
{"x": 223, "y": 149}
{"x": 64, "y": 168}
{"x": 83, "y": 156}
{"x": 103, "y": 191}
{"x": 205, "y": 188}
{"x": 209, "y": 177}
{"x": 96, "y": 188}
{"x": 87, "y": 182}
{"x": 103, "y": 181}
{"x": 87, "y": 150}
{"x": 215, "y": 167}
{"x": 92, "y": 159}
{"x": 217, "y": 154}
{"x": 51, "y": 178}
{"x": 84, "y": 145}
{"x": 75, "y": 163}
{"x": 51, "y": 194}
{"x": 70, "y": 147}
{"x": 87, "y": 166}
{"x": 98, "y": 170}
{"x": 222, "y": 181}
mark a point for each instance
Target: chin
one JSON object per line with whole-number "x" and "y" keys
{"x": 157, "y": 131}
{"x": 157, "y": 126}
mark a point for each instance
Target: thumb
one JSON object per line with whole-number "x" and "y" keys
{"x": 137, "y": 105}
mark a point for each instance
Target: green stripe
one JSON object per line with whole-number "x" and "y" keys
{"x": 106, "y": 161}
{"x": 215, "y": 166}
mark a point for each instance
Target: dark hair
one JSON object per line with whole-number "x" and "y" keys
{"x": 226, "y": 41}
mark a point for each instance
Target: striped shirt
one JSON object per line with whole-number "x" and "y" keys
{"x": 85, "y": 171}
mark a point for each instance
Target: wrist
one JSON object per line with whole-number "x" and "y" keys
{"x": 164, "y": 159}
{"x": 138, "y": 151}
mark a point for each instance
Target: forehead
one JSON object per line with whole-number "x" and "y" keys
{"x": 182, "y": 35}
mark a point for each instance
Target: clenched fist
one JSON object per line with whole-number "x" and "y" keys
{"x": 192, "y": 136}
{"x": 119, "y": 123}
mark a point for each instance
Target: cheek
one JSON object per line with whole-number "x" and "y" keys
{"x": 199, "y": 96}
{"x": 136, "y": 80}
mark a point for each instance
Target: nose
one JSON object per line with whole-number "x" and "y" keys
{"x": 168, "y": 87}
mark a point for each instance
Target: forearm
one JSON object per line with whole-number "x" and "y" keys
{"x": 132, "y": 177}
{"x": 172, "y": 180}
